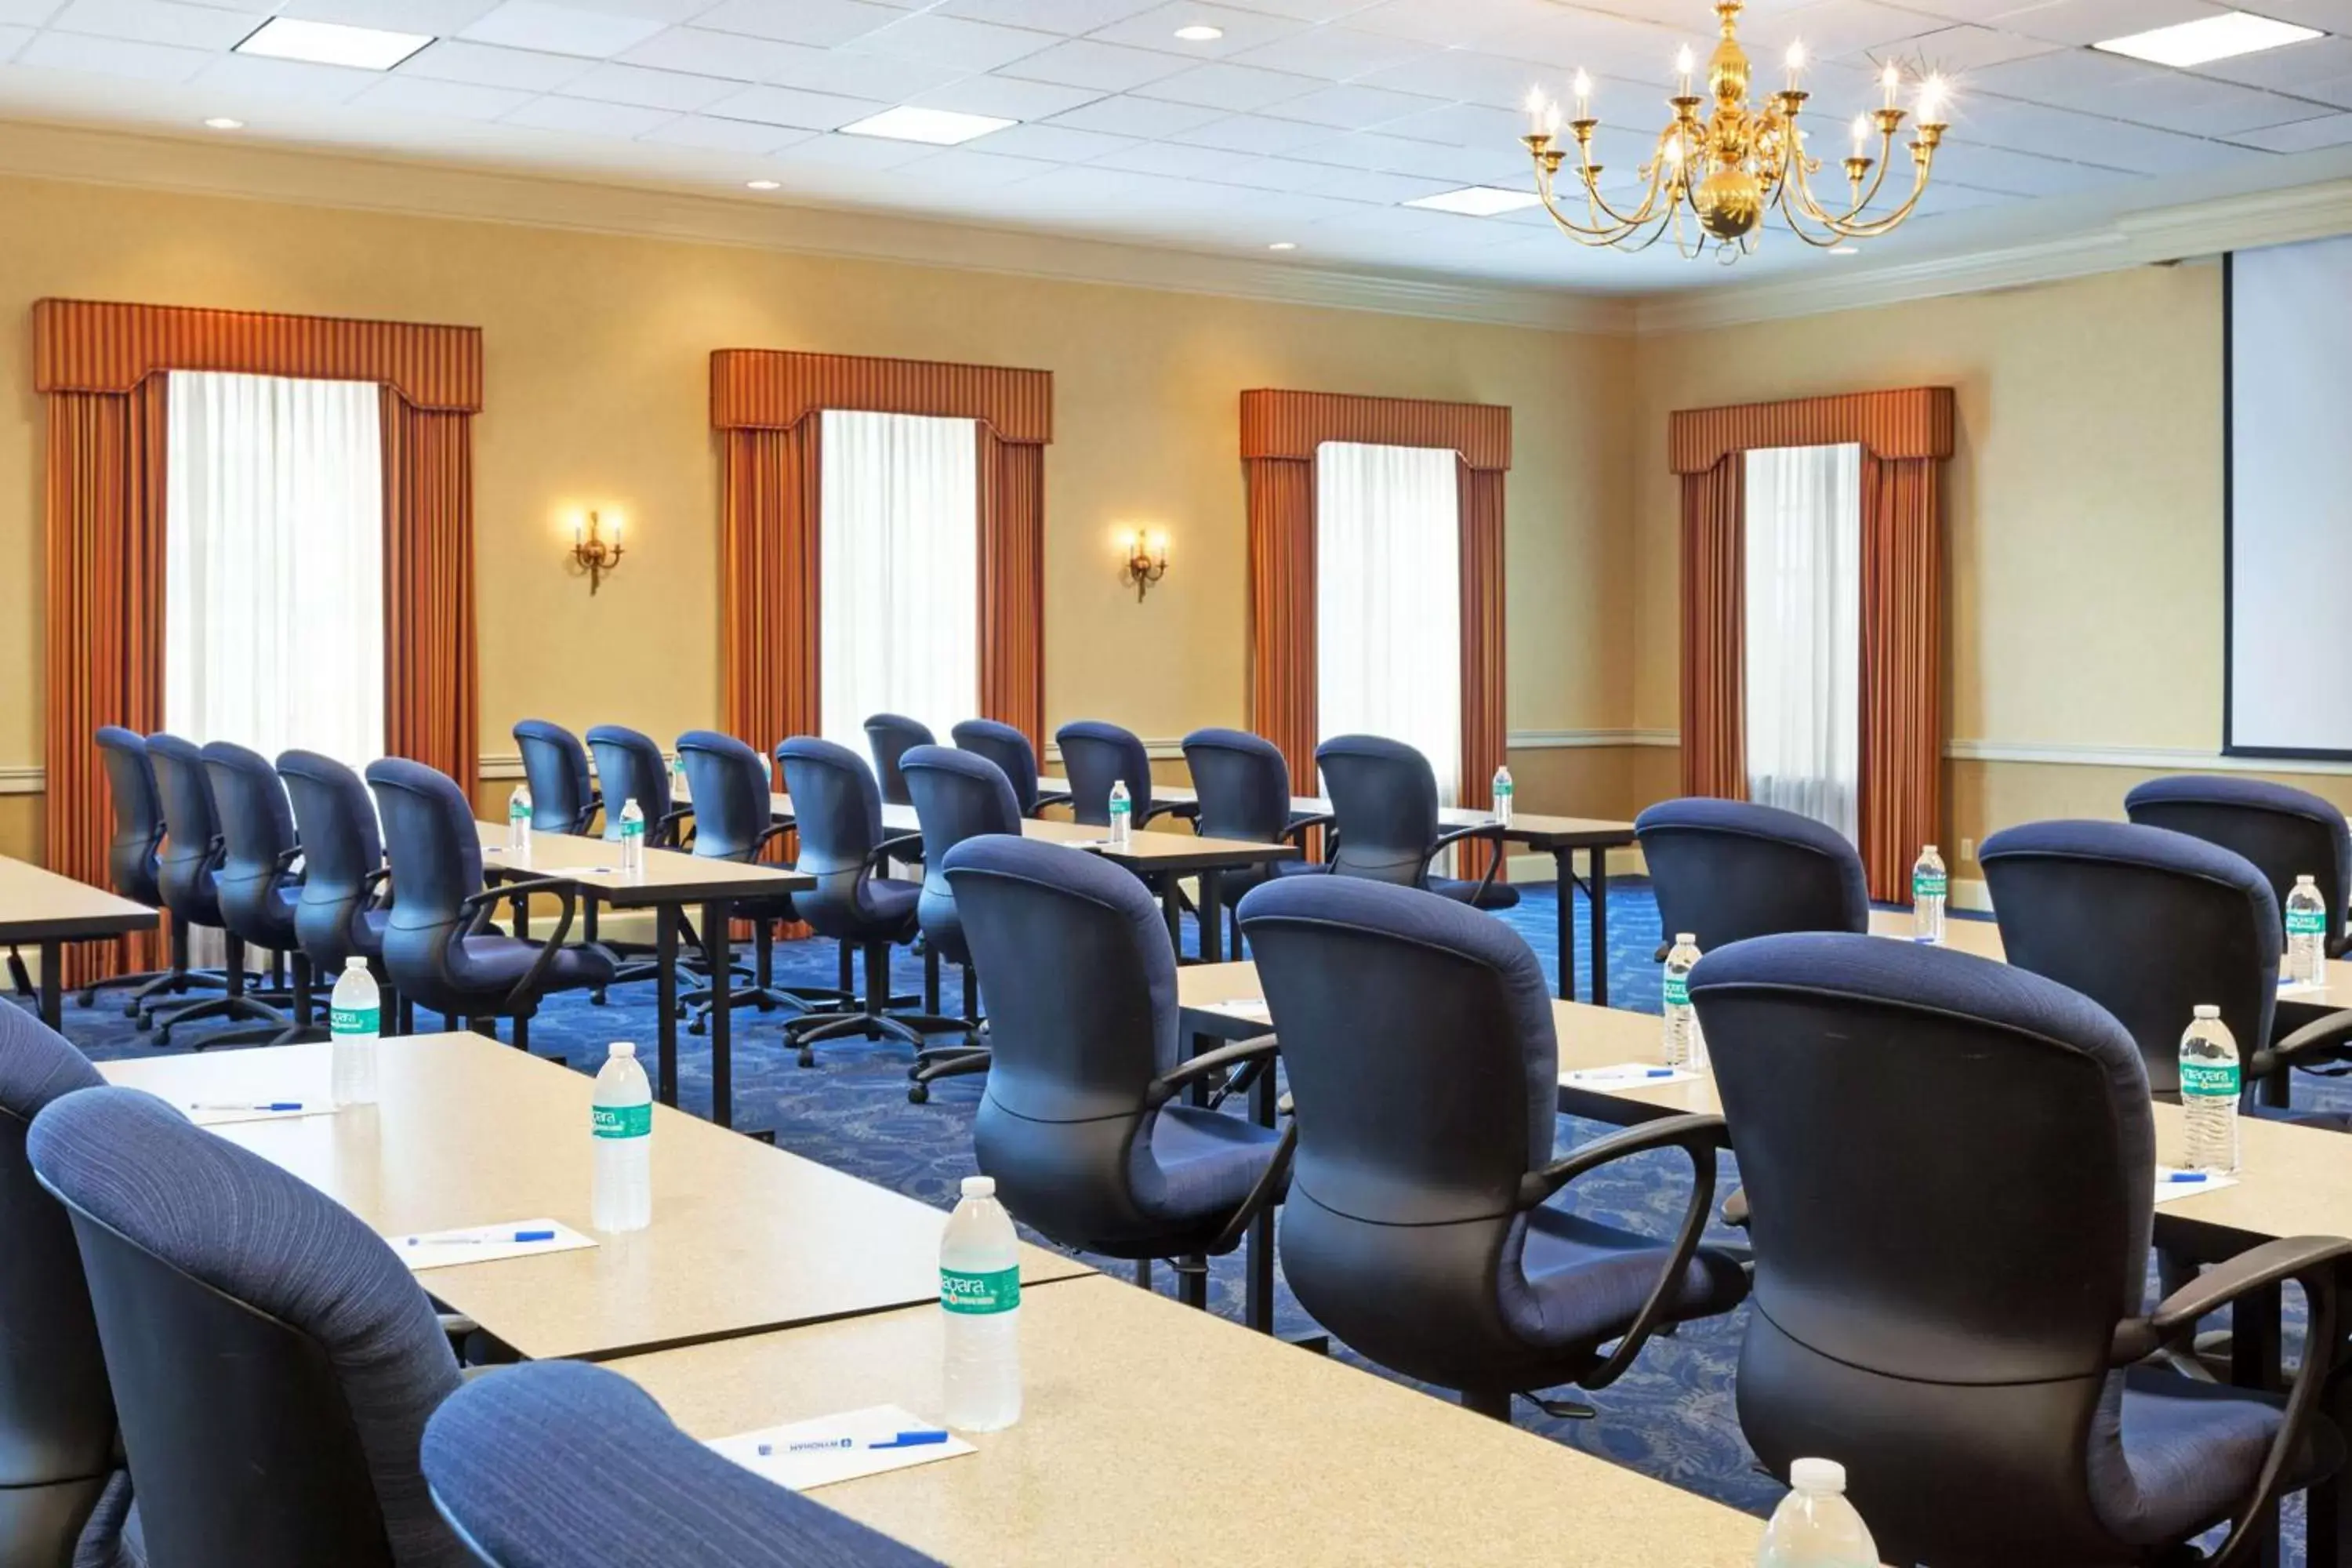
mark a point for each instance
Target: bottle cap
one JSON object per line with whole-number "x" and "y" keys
{"x": 2205, "y": 1010}
{"x": 355, "y": 961}
{"x": 1682, "y": 937}
{"x": 625, "y": 1049}
{"x": 1930, "y": 850}
{"x": 1817, "y": 1475}
{"x": 2302, "y": 881}
{"x": 980, "y": 1186}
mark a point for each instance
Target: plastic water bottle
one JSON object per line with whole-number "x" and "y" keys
{"x": 1685, "y": 1047}
{"x": 2306, "y": 934}
{"x": 355, "y": 1021}
{"x": 2209, "y": 1092}
{"x": 623, "y": 1120}
{"x": 1928, "y": 886}
{"x": 1122, "y": 816}
{"x": 1503, "y": 788}
{"x": 980, "y": 1297}
{"x": 1815, "y": 1526}
{"x": 518, "y": 820}
{"x": 676, "y": 782}
{"x": 633, "y": 840}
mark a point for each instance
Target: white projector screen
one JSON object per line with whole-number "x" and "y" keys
{"x": 2290, "y": 511}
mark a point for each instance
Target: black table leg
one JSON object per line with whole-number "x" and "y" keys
{"x": 2255, "y": 1332}
{"x": 1171, "y": 904}
{"x": 53, "y": 973}
{"x": 665, "y": 999}
{"x": 1257, "y": 1288}
{"x": 1212, "y": 915}
{"x": 1600, "y": 894}
{"x": 717, "y": 916}
{"x": 1564, "y": 865}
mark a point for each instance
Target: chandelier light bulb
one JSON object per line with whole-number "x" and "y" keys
{"x": 1932, "y": 93}
{"x": 1796, "y": 63}
{"x": 1684, "y": 63}
{"x": 1535, "y": 107}
{"x": 1583, "y": 95}
{"x": 1861, "y": 134}
{"x": 1891, "y": 78}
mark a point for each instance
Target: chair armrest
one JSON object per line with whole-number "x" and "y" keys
{"x": 1182, "y": 808}
{"x": 1164, "y": 1088}
{"x": 484, "y": 904}
{"x": 371, "y": 886}
{"x": 670, "y": 830}
{"x": 1488, "y": 830}
{"x": 2289, "y": 1257}
{"x": 527, "y": 987}
{"x": 1260, "y": 1195}
{"x": 1302, "y": 825}
{"x": 1491, "y": 831}
{"x": 774, "y": 830}
{"x": 1735, "y": 1209}
{"x": 1047, "y": 797}
{"x": 2319, "y": 1039}
{"x": 904, "y": 846}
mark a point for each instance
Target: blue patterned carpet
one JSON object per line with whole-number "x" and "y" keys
{"x": 1672, "y": 1417}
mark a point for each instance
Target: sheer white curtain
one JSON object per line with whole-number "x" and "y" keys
{"x": 898, "y": 555}
{"x": 1804, "y": 632}
{"x": 273, "y": 614}
{"x": 1388, "y": 599}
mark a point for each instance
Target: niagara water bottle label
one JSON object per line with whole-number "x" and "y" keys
{"x": 355, "y": 1020}
{"x": 980, "y": 1294}
{"x": 2307, "y": 923}
{"x": 2218, "y": 1081}
{"x": 624, "y": 1120}
{"x": 1678, "y": 990}
{"x": 1928, "y": 884}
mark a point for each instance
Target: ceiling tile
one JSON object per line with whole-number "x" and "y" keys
{"x": 1452, "y": 25}
{"x": 1234, "y": 87}
{"x": 1353, "y": 107}
{"x": 849, "y": 74}
{"x": 837, "y": 150}
{"x": 666, "y": 12}
{"x": 159, "y": 22}
{"x": 1304, "y": 10}
{"x": 1337, "y": 53}
{"x": 1830, "y": 30}
{"x": 1006, "y": 98}
{"x": 1127, "y": 116}
{"x": 1254, "y": 133}
{"x": 735, "y": 55}
{"x": 1107, "y": 67}
{"x": 790, "y": 106}
{"x": 971, "y": 168}
{"x": 2094, "y": 21}
{"x": 1056, "y": 143}
{"x": 2287, "y": 68}
{"x": 112, "y": 57}
{"x": 1274, "y": 174}
{"x": 2023, "y": 173}
{"x": 820, "y": 21}
{"x": 716, "y": 135}
{"x": 488, "y": 66}
{"x": 611, "y": 83}
{"x": 1462, "y": 125}
{"x": 1068, "y": 17}
{"x": 952, "y": 41}
{"x": 1170, "y": 158}
{"x": 586, "y": 119}
{"x": 242, "y": 75}
{"x": 1953, "y": 50}
{"x": 1465, "y": 74}
{"x": 1156, "y": 30}
{"x": 401, "y": 93}
{"x": 28, "y": 13}
{"x": 13, "y": 39}
{"x": 1374, "y": 186}
{"x": 561, "y": 29}
{"x": 2304, "y": 136}
{"x": 438, "y": 18}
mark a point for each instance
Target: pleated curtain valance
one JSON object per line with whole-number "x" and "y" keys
{"x": 771, "y": 389}
{"x": 1915, "y": 422}
{"x": 1291, "y": 424}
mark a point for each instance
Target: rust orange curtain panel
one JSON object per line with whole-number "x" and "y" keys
{"x": 1280, "y": 433}
{"x": 1905, "y": 437}
{"x": 100, "y": 366}
{"x": 762, "y": 404}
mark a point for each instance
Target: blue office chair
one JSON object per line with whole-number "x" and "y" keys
{"x": 734, "y": 821}
{"x": 131, "y": 858}
{"x": 957, "y": 796}
{"x": 60, "y": 1481}
{"x": 888, "y": 736}
{"x": 1727, "y": 870}
{"x": 837, "y": 814}
{"x": 188, "y": 876}
{"x": 1080, "y": 1125}
{"x": 2149, "y": 924}
{"x": 1948, "y": 1161}
{"x": 261, "y": 885}
{"x": 2287, "y": 833}
{"x": 1097, "y": 755}
{"x": 1243, "y": 787}
{"x": 273, "y": 1362}
{"x": 345, "y": 900}
{"x": 1383, "y": 798}
{"x": 563, "y": 1465}
{"x": 630, "y": 767}
{"x": 1418, "y": 1041}
{"x": 438, "y": 946}
{"x": 1009, "y": 749}
{"x": 556, "y": 766}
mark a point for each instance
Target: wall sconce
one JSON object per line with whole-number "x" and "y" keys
{"x": 592, "y": 553}
{"x": 1147, "y": 560}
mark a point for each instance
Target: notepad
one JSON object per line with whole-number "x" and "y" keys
{"x": 1631, "y": 1075}
{"x": 487, "y": 1243}
{"x": 1247, "y": 1006}
{"x": 2171, "y": 1183}
{"x": 2300, "y": 987}
{"x": 841, "y": 1448}
{"x": 224, "y": 1112}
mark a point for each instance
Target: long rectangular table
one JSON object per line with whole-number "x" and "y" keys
{"x": 41, "y": 908}
{"x": 744, "y": 1238}
{"x": 668, "y": 883}
{"x": 1255, "y": 1453}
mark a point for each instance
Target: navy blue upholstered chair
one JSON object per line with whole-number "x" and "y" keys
{"x": 188, "y": 875}
{"x": 1009, "y": 749}
{"x": 131, "y": 860}
{"x": 629, "y": 766}
{"x": 1950, "y": 1292}
{"x": 1726, "y": 870}
{"x": 888, "y": 736}
{"x": 1383, "y": 797}
{"x": 563, "y": 1465}
{"x": 1418, "y": 1040}
{"x": 2150, "y": 924}
{"x": 555, "y": 765}
{"x": 258, "y": 882}
{"x": 957, "y": 796}
{"x": 438, "y": 946}
{"x": 2288, "y": 833}
{"x": 734, "y": 820}
{"x": 60, "y": 1482}
{"x": 837, "y": 812}
{"x": 273, "y": 1362}
{"x": 1241, "y": 785}
{"x": 1097, "y": 755}
{"x": 1080, "y": 1125}
{"x": 344, "y": 905}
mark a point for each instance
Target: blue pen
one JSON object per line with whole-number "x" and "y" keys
{"x": 2186, "y": 1176}
{"x": 270, "y": 1105}
{"x": 481, "y": 1240}
{"x": 1660, "y": 1072}
{"x": 911, "y": 1440}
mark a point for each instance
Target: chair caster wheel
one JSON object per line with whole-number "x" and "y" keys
{"x": 144, "y": 1023}
{"x": 699, "y": 1028}
{"x": 85, "y": 998}
{"x": 163, "y": 1035}
{"x": 808, "y": 1058}
{"x": 919, "y": 1094}
{"x": 595, "y": 998}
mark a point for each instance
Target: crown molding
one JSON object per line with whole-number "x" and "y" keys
{"x": 1581, "y": 740}
{"x": 22, "y": 780}
{"x": 2149, "y": 759}
{"x": 38, "y": 150}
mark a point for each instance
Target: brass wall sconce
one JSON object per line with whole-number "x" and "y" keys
{"x": 1147, "y": 560}
{"x": 592, "y": 553}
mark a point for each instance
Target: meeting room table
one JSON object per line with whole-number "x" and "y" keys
{"x": 40, "y": 908}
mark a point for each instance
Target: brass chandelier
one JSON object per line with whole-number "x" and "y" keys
{"x": 1730, "y": 169}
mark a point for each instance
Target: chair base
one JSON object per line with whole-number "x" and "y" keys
{"x": 170, "y": 984}
{"x": 766, "y": 999}
{"x": 234, "y": 1010}
{"x": 935, "y": 1062}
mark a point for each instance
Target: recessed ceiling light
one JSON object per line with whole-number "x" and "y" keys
{"x": 1845, "y": 250}
{"x": 1283, "y": 244}
{"x": 762, "y": 186}
{"x": 223, "y": 123}
{"x": 1198, "y": 34}
{"x": 939, "y": 127}
{"x": 1477, "y": 201}
{"x": 2214, "y": 38}
{"x": 332, "y": 44}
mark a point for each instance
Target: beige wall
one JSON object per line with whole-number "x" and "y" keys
{"x": 597, "y": 350}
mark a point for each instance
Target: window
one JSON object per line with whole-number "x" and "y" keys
{"x": 1388, "y": 605}
{"x": 1803, "y": 642}
{"x": 899, "y": 564}
{"x": 273, "y": 618}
